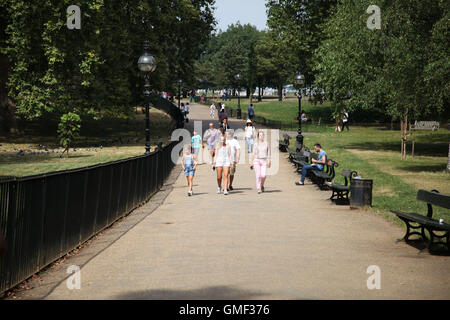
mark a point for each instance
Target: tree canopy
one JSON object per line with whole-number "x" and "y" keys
{"x": 94, "y": 69}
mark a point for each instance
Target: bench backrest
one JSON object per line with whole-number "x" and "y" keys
{"x": 426, "y": 125}
{"x": 330, "y": 165}
{"x": 348, "y": 175}
{"x": 433, "y": 197}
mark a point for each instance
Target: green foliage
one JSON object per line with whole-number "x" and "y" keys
{"x": 229, "y": 53}
{"x": 68, "y": 129}
{"x": 94, "y": 70}
{"x": 399, "y": 69}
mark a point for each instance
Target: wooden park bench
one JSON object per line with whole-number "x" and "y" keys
{"x": 341, "y": 191}
{"x": 416, "y": 221}
{"x": 303, "y": 158}
{"x": 298, "y": 155}
{"x": 319, "y": 177}
{"x": 425, "y": 125}
{"x": 284, "y": 144}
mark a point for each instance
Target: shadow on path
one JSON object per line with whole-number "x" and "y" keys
{"x": 207, "y": 293}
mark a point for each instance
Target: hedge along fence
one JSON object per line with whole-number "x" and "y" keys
{"x": 44, "y": 217}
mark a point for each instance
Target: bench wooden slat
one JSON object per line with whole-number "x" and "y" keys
{"x": 434, "y": 198}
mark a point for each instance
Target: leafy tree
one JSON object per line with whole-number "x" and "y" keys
{"x": 298, "y": 24}
{"x": 229, "y": 53}
{"x": 93, "y": 70}
{"x": 68, "y": 129}
{"x": 393, "y": 69}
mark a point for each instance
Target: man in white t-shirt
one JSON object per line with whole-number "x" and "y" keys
{"x": 235, "y": 156}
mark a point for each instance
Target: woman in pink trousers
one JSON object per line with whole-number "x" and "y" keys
{"x": 260, "y": 161}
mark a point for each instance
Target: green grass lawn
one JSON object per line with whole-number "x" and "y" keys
{"x": 375, "y": 154}
{"x": 101, "y": 142}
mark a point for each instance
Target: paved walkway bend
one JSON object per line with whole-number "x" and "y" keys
{"x": 287, "y": 243}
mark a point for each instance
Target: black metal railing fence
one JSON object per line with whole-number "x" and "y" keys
{"x": 44, "y": 217}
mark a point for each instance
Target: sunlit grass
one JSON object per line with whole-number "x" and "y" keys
{"x": 375, "y": 154}
{"x": 23, "y": 155}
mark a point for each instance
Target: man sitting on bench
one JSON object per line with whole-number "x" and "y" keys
{"x": 317, "y": 164}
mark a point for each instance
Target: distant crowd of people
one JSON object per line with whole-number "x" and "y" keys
{"x": 224, "y": 151}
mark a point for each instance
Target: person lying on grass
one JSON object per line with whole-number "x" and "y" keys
{"x": 317, "y": 164}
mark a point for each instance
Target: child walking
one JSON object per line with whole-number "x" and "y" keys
{"x": 189, "y": 164}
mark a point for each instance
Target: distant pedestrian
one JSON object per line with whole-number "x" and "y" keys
{"x": 182, "y": 110}
{"x": 260, "y": 161}
{"x": 211, "y": 137}
{"x": 187, "y": 109}
{"x": 222, "y": 115}
{"x": 250, "y": 133}
{"x": 303, "y": 117}
{"x": 251, "y": 112}
{"x": 225, "y": 124}
{"x": 235, "y": 156}
{"x": 345, "y": 121}
{"x": 222, "y": 163}
{"x": 189, "y": 164}
{"x": 196, "y": 141}
{"x": 212, "y": 110}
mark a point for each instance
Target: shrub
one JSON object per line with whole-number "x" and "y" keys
{"x": 68, "y": 130}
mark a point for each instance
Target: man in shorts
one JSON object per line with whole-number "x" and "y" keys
{"x": 235, "y": 156}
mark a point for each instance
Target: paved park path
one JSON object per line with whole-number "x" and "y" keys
{"x": 287, "y": 243}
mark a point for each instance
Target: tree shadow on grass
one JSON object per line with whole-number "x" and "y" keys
{"x": 429, "y": 148}
{"x": 423, "y": 168}
{"x": 208, "y": 293}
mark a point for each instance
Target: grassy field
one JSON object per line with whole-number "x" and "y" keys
{"x": 103, "y": 142}
{"x": 375, "y": 154}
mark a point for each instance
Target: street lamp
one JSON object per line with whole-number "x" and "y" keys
{"x": 238, "y": 78}
{"x": 299, "y": 82}
{"x": 180, "y": 82}
{"x": 147, "y": 64}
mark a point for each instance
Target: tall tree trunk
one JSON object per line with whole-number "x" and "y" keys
{"x": 280, "y": 92}
{"x": 448, "y": 162}
{"x": 404, "y": 129}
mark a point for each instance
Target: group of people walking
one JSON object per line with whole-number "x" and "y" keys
{"x": 224, "y": 153}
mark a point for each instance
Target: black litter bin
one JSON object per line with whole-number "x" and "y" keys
{"x": 360, "y": 193}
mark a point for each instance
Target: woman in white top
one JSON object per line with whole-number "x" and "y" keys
{"x": 249, "y": 135}
{"x": 260, "y": 161}
{"x": 222, "y": 162}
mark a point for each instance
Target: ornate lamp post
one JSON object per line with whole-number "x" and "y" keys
{"x": 147, "y": 64}
{"x": 180, "y": 82}
{"x": 238, "y": 78}
{"x": 299, "y": 82}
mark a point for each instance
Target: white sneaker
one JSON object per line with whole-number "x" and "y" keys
{"x": 225, "y": 192}
{"x": 190, "y": 193}
{"x": 218, "y": 190}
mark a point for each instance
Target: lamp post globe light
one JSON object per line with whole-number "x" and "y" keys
{"x": 147, "y": 64}
{"x": 180, "y": 82}
{"x": 299, "y": 82}
{"x": 238, "y": 78}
